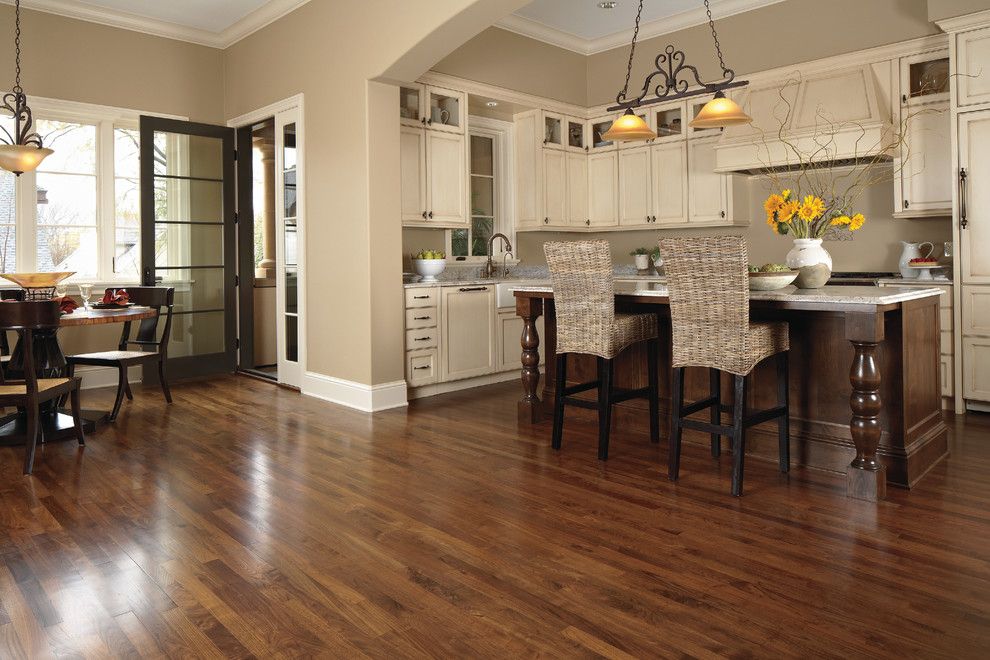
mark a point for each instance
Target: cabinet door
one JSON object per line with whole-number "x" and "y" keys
{"x": 554, "y": 188}
{"x": 412, "y": 173}
{"x": 509, "y": 350}
{"x": 554, "y": 131}
{"x": 974, "y": 157}
{"x": 670, "y": 189}
{"x": 412, "y": 100}
{"x": 975, "y": 311}
{"x": 603, "y": 185}
{"x": 446, "y": 174}
{"x": 924, "y": 78}
{"x": 976, "y": 368}
{"x": 446, "y": 110}
{"x": 577, "y": 190}
{"x": 596, "y": 128}
{"x": 706, "y": 187}
{"x": 972, "y": 57}
{"x": 529, "y": 169}
{"x": 926, "y": 166}
{"x": 577, "y": 139}
{"x": 635, "y": 187}
{"x": 467, "y": 336}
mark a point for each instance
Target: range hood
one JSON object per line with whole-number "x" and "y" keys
{"x": 835, "y": 117}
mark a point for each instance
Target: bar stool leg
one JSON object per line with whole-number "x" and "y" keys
{"x": 676, "y": 405}
{"x": 604, "y": 406}
{"x": 715, "y": 386}
{"x": 738, "y": 435}
{"x": 652, "y": 348}
{"x": 784, "y": 421}
{"x": 560, "y": 382}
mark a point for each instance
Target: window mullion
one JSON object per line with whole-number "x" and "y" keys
{"x": 26, "y": 231}
{"x": 105, "y": 213}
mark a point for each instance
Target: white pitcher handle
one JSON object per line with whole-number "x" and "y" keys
{"x": 931, "y": 248}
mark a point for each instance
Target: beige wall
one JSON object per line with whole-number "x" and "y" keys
{"x": 939, "y": 9}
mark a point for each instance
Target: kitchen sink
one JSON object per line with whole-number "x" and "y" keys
{"x": 503, "y": 290}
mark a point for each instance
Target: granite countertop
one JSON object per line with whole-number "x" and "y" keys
{"x": 847, "y": 295}
{"x": 477, "y": 281}
{"x": 900, "y": 281}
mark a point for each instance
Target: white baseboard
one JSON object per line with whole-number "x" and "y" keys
{"x": 977, "y": 406}
{"x": 94, "y": 377}
{"x": 464, "y": 384}
{"x": 367, "y": 398}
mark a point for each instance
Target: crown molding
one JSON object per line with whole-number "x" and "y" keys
{"x": 259, "y": 18}
{"x": 965, "y": 22}
{"x": 542, "y": 32}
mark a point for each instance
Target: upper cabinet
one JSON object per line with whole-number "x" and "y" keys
{"x": 566, "y": 133}
{"x": 924, "y": 78}
{"x": 668, "y": 121}
{"x": 596, "y": 129}
{"x": 973, "y": 67}
{"x": 432, "y": 107}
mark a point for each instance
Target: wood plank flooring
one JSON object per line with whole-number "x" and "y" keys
{"x": 249, "y": 521}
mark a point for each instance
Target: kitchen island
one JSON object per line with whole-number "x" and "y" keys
{"x": 864, "y": 389}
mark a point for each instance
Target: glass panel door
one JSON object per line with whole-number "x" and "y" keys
{"x": 187, "y": 237}
{"x": 288, "y": 213}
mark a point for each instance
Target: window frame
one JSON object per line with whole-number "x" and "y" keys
{"x": 500, "y": 132}
{"x": 105, "y": 119}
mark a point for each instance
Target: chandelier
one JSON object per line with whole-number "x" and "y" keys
{"x": 672, "y": 82}
{"x": 23, "y": 151}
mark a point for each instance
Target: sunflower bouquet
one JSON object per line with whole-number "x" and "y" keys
{"x": 809, "y": 217}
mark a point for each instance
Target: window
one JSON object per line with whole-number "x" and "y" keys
{"x": 80, "y": 211}
{"x": 487, "y": 159}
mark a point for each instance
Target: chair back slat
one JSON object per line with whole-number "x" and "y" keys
{"x": 583, "y": 295}
{"x": 156, "y": 297}
{"x": 24, "y": 318}
{"x": 8, "y": 294}
{"x": 708, "y": 282}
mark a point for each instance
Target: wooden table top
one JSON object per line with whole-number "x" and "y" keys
{"x": 100, "y": 316}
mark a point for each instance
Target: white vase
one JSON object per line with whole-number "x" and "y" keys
{"x": 812, "y": 261}
{"x": 642, "y": 262}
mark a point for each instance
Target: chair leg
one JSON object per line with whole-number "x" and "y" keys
{"x": 604, "y": 406}
{"x": 676, "y": 405}
{"x": 77, "y": 416}
{"x": 715, "y": 391}
{"x": 560, "y": 382}
{"x": 738, "y": 435}
{"x": 652, "y": 349}
{"x": 121, "y": 382}
{"x": 127, "y": 388}
{"x": 32, "y": 437}
{"x": 164, "y": 381}
{"x": 784, "y": 422}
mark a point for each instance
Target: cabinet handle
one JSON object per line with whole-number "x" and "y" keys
{"x": 422, "y": 318}
{"x": 423, "y": 120}
{"x": 587, "y": 222}
{"x": 647, "y": 218}
{"x": 546, "y": 221}
{"x": 430, "y": 215}
{"x": 429, "y": 122}
{"x": 906, "y": 203}
{"x": 903, "y": 98}
{"x": 423, "y": 367}
{"x": 963, "y": 220}
{"x": 422, "y": 338}
{"x": 722, "y": 214}
{"x": 424, "y": 215}
{"x": 473, "y": 288}
{"x": 421, "y": 297}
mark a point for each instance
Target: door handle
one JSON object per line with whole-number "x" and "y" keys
{"x": 963, "y": 211}
{"x": 473, "y": 288}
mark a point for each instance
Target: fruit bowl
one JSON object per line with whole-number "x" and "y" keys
{"x": 771, "y": 281}
{"x": 428, "y": 269}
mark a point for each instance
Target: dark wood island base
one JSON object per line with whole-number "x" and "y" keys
{"x": 865, "y": 394}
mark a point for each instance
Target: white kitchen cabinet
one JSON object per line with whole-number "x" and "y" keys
{"x": 446, "y": 172}
{"x": 670, "y": 185}
{"x": 974, "y": 197}
{"x": 435, "y": 108}
{"x": 971, "y": 66}
{"x": 577, "y": 190}
{"x": 635, "y": 187}
{"x": 708, "y": 190}
{"x": 596, "y": 128}
{"x": 976, "y": 368}
{"x": 421, "y": 368}
{"x": 976, "y": 310}
{"x": 667, "y": 121}
{"x": 603, "y": 186}
{"x": 412, "y": 174}
{"x": 554, "y": 188}
{"x": 467, "y": 331}
{"x": 553, "y": 130}
{"x": 412, "y": 103}
{"x": 926, "y": 163}
{"x": 509, "y": 333}
{"x": 529, "y": 169}
{"x": 576, "y": 138}
{"x": 924, "y": 78}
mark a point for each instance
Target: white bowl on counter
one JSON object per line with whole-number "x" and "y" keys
{"x": 771, "y": 281}
{"x": 428, "y": 269}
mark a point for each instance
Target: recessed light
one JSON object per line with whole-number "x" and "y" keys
{"x": 607, "y": 5}
{"x": 492, "y": 104}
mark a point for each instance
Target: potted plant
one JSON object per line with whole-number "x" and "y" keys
{"x": 642, "y": 257}
{"x": 657, "y": 261}
{"x": 429, "y": 263}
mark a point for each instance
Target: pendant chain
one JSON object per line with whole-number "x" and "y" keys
{"x": 17, "y": 47}
{"x": 632, "y": 48}
{"x": 718, "y": 46}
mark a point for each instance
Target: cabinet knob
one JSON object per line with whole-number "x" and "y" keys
{"x": 587, "y": 222}
{"x": 654, "y": 218}
{"x": 546, "y": 221}
{"x": 903, "y": 98}
{"x": 722, "y": 214}
{"x": 906, "y": 203}
{"x": 430, "y": 215}
{"x": 424, "y": 215}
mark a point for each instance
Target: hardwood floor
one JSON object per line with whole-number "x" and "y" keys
{"x": 247, "y": 520}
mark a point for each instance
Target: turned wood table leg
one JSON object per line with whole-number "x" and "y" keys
{"x": 866, "y": 477}
{"x": 530, "y": 407}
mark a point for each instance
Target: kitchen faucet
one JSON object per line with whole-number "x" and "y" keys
{"x": 489, "y": 270}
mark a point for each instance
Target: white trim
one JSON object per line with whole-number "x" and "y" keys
{"x": 424, "y": 391}
{"x": 504, "y": 94}
{"x": 965, "y": 22}
{"x": 267, "y": 112}
{"x": 367, "y": 398}
{"x": 246, "y": 26}
{"x": 683, "y": 20}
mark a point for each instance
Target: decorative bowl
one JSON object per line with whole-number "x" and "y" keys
{"x": 771, "y": 281}
{"x": 428, "y": 269}
{"x": 36, "y": 280}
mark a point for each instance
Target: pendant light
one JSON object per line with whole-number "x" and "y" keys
{"x": 23, "y": 151}
{"x": 672, "y": 82}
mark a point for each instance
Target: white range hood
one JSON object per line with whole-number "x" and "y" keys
{"x": 839, "y": 116}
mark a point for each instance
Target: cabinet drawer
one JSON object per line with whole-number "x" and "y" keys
{"x": 422, "y": 297}
{"x": 947, "y": 384}
{"x": 421, "y": 338}
{"x": 976, "y": 368}
{"x": 421, "y": 368}
{"x": 976, "y": 310}
{"x": 421, "y": 317}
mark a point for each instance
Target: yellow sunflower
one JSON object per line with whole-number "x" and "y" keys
{"x": 856, "y": 222}
{"x": 773, "y": 203}
{"x": 786, "y": 194}
{"x": 771, "y": 222}
{"x": 840, "y": 220}
{"x": 811, "y": 208}
{"x": 787, "y": 210}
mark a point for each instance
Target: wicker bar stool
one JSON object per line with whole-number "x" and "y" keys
{"x": 709, "y": 314}
{"x": 584, "y": 297}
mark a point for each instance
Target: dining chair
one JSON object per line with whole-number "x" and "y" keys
{"x": 15, "y": 295}
{"x": 154, "y": 348}
{"x": 587, "y": 323}
{"x": 30, "y": 392}
{"x": 708, "y": 284}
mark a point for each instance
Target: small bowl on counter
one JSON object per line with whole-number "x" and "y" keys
{"x": 428, "y": 269}
{"x": 771, "y": 281}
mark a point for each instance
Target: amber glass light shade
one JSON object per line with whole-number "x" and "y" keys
{"x": 720, "y": 112}
{"x": 19, "y": 158}
{"x": 630, "y": 127}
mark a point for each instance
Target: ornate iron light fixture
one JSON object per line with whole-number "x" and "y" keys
{"x": 672, "y": 82}
{"x": 23, "y": 151}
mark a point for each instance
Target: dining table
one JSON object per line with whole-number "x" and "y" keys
{"x": 49, "y": 361}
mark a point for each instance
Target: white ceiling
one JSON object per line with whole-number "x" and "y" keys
{"x": 210, "y": 15}
{"x": 584, "y": 27}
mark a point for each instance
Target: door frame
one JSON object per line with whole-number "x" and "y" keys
{"x": 194, "y": 365}
{"x": 295, "y": 102}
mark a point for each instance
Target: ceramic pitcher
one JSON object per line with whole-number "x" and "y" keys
{"x": 912, "y": 251}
